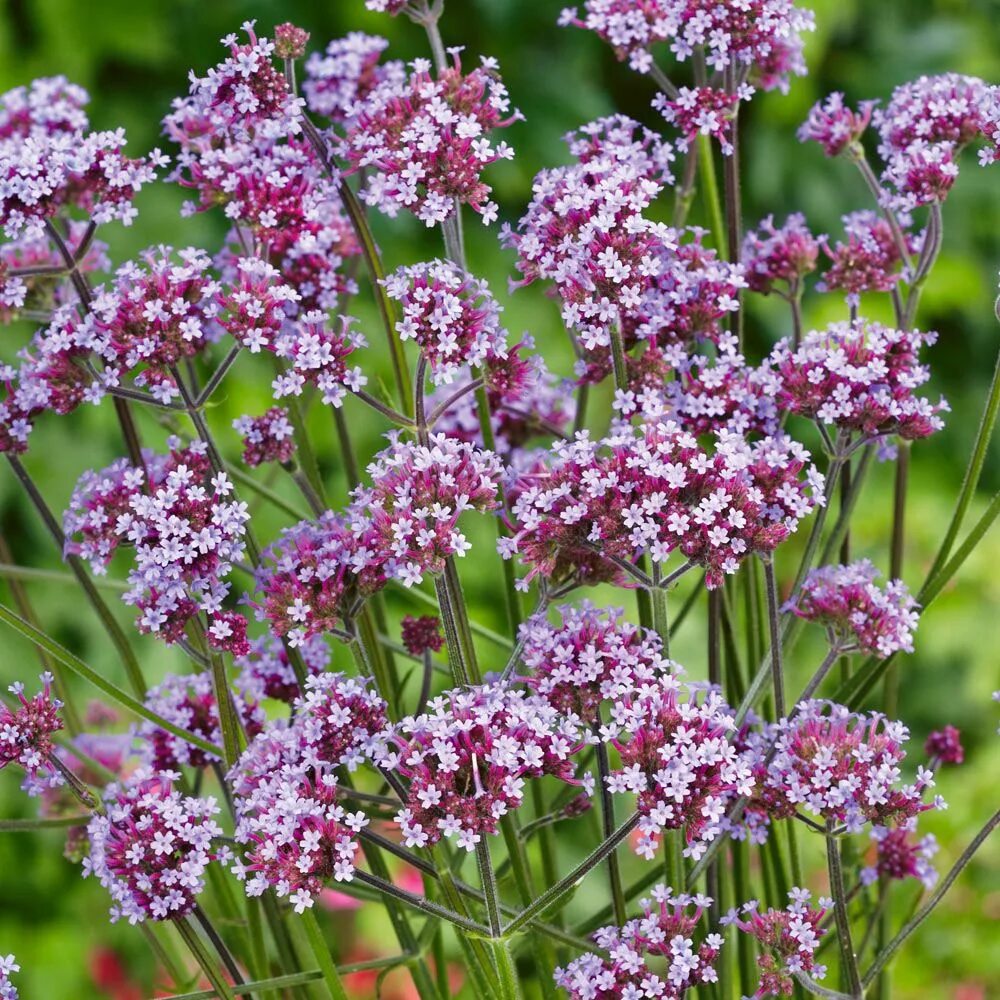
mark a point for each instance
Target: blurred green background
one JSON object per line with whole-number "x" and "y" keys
{"x": 135, "y": 56}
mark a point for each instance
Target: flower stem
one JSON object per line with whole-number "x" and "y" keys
{"x": 777, "y": 675}
{"x": 608, "y": 826}
{"x": 323, "y": 957}
{"x": 848, "y": 958}
{"x": 201, "y": 955}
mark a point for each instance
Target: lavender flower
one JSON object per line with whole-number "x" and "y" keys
{"x": 783, "y": 254}
{"x": 267, "y": 438}
{"x": 900, "y": 854}
{"x": 267, "y": 669}
{"x": 8, "y": 964}
{"x": 944, "y": 746}
{"x": 26, "y": 736}
{"x": 834, "y": 125}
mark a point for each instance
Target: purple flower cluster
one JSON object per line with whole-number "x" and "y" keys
{"x": 785, "y": 254}
{"x": 422, "y": 635}
{"x": 867, "y": 261}
{"x": 317, "y": 355}
{"x": 860, "y": 614}
{"x": 26, "y": 736}
{"x": 834, "y": 125}
{"x": 152, "y": 846}
{"x": 703, "y": 111}
{"x": 944, "y": 746}
{"x": 8, "y": 964}
{"x": 678, "y": 759}
{"x": 266, "y": 668}
{"x": 424, "y": 141}
{"x": 900, "y": 854}
{"x": 655, "y": 955}
{"x": 267, "y": 438}
{"x": 467, "y": 761}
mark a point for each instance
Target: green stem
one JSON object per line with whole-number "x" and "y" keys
{"x": 848, "y": 958}
{"x": 322, "y": 954}
{"x": 710, "y": 190}
{"x": 205, "y": 961}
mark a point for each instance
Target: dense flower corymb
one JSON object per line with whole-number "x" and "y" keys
{"x": 267, "y": 438}
{"x": 666, "y": 933}
{"x": 901, "y": 854}
{"x": 26, "y": 736}
{"x": 151, "y": 848}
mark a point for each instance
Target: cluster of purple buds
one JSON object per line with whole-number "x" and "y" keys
{"x": 678, "y": 759}
{"x": 423, "y": 141}
{"x": 187, "y": 532}
{"x": 788, "y": 940}
{"x": 295, "y": 833}
{"x": 151, "y": 847}
{"x": 26, "y": 736}
{"x": 867, "y": 261}
{"x": 900, "y": 854}
{"x": 451, "y": 315}
{"x": 266, "y": 668}
{"x": 595, "y": 506}
{"x": 50, "y": 161}
{"x": 189, "y": 701}
{"x": 317, "y": 355}
{"x": 655, "y": 955}
{"x": 467, "y": 761}
{"x": 944, "y": 746}
{"x": 841, "y": 767}
{"x": 834, "y": 125}
{"x": 860, "y": 614}
{"x": 8, "y": 964}
{"x": 779, "y": 254}
{"x": 267, "y": 438}
{"x": 591, "y": 656}
{"x": 859, "y": 378}
{"x": 422, "y": 635}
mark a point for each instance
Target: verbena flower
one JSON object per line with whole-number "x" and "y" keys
{"x": 788, "y": 940}
{"x": 189, "y": 701}
{"x": 422, "y": 635}
{"x": 468, "y": 758}
{"x": 678, "y": 759}
{"x": 846, "y": 600}
{"x": 785, "y": 254}
{"x": 340, "y": 79}
{"x": 317, "y": 354}
{"x": 266, "y": 667}
{"x": 452, "y": 316}
{"x": 152, "y": 847}
{"x": 860, "y": 378}
{"x": 654, "y": 489}
{"x": 703, "y": 111}
{"x": 290, "y": 41}
{"x": 591, "y": 656}
{"x": 267, "y": 438}
{"x": 255, "y": 304}
{"x": 944, "y": 746}
{"x": 392, "y": 7}
{"x": 867, "y": 261}
{"x": 660, "y": 954}
{"x": 8, "y": 964}
{"x": 423, "y": 141}
{"x": 900, "y": 854}
{"x": 47, "y": 106}
{"x": 834, "y": 125}
{"x": 26, "y": 736}
{"x": 839, "y": 766}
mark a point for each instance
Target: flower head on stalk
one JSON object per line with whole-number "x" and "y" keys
{"x": 8, "y": 964}
{"x": 452, "y": 316}
{"x": 846, "y": 599}
{"x": 785, "y": 254}
{"x": 266, "y": 667}
{"x": 267, "y": 438}
{"x": 861, "y": 378}
{"x": 678, "y": 759}
{"x": 867, "y": 261}
{"x": 757, "y": 33}
{"x": 422, "y": 635}
{"x": 467, "y": 761}
{"x": 834, "y": 125}
{"x": 26, "y": 736}
{"x": 655, "y": 955}
{"x": 255, "y": 304}
{"x": 339, "y": 80}
{"x": 423, "y": 141}
{"x": 901, "y": 854}
{"x": 591, "y": 656}
{"x": 189, "y": 701}
{"x": 788, "y": 940}
{"x": 390, "y": 7}
{"x": 47, "y": 106}
{"x": 944, "y": 746}
{"x": 152, "y": 846}
{"x": 707, "y": 111}
{"x": 290, "y": 41}
{"x": 841, "y": 767}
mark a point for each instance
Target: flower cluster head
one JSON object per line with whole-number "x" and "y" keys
{"x": 867, "y": 261}
{"x": 391, "y": 7}
{"x": 296, "y": 834}
{"x": 151, "y": 847}
{"x": 255, "y": 304}
{"x": 267, "y": 438}
{"x": 422, "y": 635}
{"x": 841, "y": 767}
{"x": 317, "y": 354}
{"x": 678, "y": 759}
{"x": 267, "y": 669}
{"x": 189, "y": 701}
{"x": 340, "y": 79}
{"x": 468, "y": 758}
{"x": 834, "y": 125}
{"x": 707, "y": 111}
{"x": 665, "y": 933}
{"x": 50, "y": 161}
{"x": 901, "y": 854}
{"x": 594, "y": 506}
{"x": 860, "y": 614}
{"x": 451, "y": 315}
{"x": 290, "y": 41}
{"x": 756, "y": 34}
{"x": 861, "y": 378}
{"x": 785, "y": 254}
{"x": 788, "y": 940}
{"x": 185, "y": 528}
{"x": 26, "y": 736}
{"x": 592, "y": 655}
{"x": 944, "y": 746}
{"x": 424, "y": 141}
{"x": 8, "y": 964}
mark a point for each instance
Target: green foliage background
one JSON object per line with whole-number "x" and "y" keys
{"x": 134, "y": 57}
